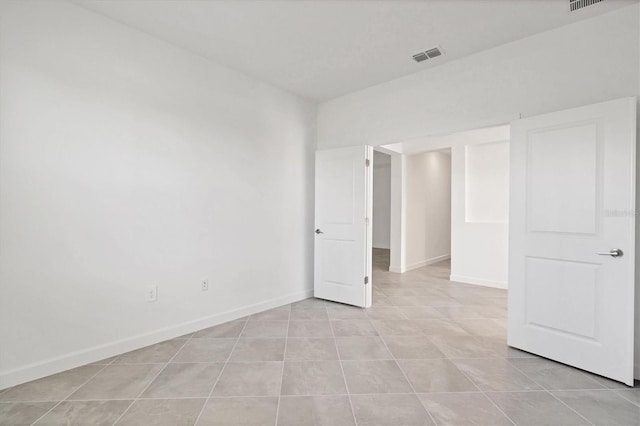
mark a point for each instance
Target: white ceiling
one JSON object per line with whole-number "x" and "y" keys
{"x": 323, "y": 49}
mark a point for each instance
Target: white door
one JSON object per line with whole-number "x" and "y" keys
{"x": 572, "y": 204}
{"x": 343, "y": 236}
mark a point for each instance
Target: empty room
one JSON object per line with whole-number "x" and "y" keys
{"x": 319, "y": 212}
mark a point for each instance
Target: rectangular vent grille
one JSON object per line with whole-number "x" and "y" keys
{"x": 579, "y": 4}
{"x": 429, "y": 54}
{"x": 419, "y": 57}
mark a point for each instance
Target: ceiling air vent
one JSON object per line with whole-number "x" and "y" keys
{"x": 429, "y": 54}
{"x": 419, "y": 57}
{"x": 579, "y": 4}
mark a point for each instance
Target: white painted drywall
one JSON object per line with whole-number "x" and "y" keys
{"x": 381, "y": 200}
{"x": 126, "y": 162}
{"x": 480, "y": 211}
{"x": 428, "y": 204}
{"x": 486, "y": 187}
{"x": 547, "y": 72}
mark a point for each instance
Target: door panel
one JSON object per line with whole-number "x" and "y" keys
{"x": 343, "y": 237}
{"x": 569, "y": 171}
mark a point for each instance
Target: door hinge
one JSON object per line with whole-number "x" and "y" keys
{"x": 366, "y": 280}
{"x": 367, "y": 162}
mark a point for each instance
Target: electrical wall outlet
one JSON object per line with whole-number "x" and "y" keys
{"x": 152, "y": 293}
{"x": 205, "y": 285}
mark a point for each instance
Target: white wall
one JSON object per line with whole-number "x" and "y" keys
{"x": 381, "y": 200}
{"x": 428, "y": 205}
{"x": 125, "y": 162}
{"x": 480, "y": 211}
{"x": 587, "y": 62}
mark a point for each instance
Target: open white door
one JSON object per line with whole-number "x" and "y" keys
{"x": 343, "y": 235}
{"x": 572, "y": 228}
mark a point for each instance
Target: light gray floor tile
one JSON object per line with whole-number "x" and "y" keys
{"x": 311, "y": 303}
{"x": 612, "y": 384}
{"x": 184, "y": 381}
{"x": 311, "y": 349}
{"x": 436, "y": 327}
{"x": 205, "y": 350}
{"x": 362, "y": 348}
{"x": 383, "y": 313}
{"x": 266, "y": 329}
{"x": 22, "y": 413}
{"x": 277, "y": 314}
{"x": 398, "y": 327}
{"x": 258, "y": 350}
{"x": 313, "y": 378}
{"x": 536, "y": 409}
{"x": 353, "y": 328}
{"x": 227, "y": 330}
{"x": 310, "y": 329}
{"x": 404, "y": 301}
{"x": 554, "y": 376}
{"x": 462, "y": 347}
{"x": 495, "y": 375}
{"x": 95, "y": 413}
{"x": 388, "y": 410}
{"x": 315, "y": 314}
{"x": 459, "y": 312}
{"x": 315, "y": 411}
{"x": 381, "y": 301}
{"x": 239, "y": 412}
{"x": 435, "y": 375}
{"x": 346, "y": 313}
{"x": 602, "y": 407}
{"x": 484, "y": 327}
{"x": 162, "y": 412}
{"x": 500, "y": 347}
{"x": 462, "y": 409}
{"x": 412, "y": 347}
{"x": 375, "y": 377}
{"x": 421, "y": 312}
{"x": 249, "y": 379}
{"x": 158, "y": 353}
{"x": 52, "y": 388}
{"x": 630, "y": 394}
{"x": 119, "y": 381}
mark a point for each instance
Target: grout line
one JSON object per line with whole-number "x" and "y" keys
{"x": 284, "y": 359}
{"x": 549, "y": 392}
{"x": 344, "y": 377}
{"x": 220, "y": 374}
{"x": 154, "y": 378}
{"x": 415, "y": 393}
{"x": 462, "y": 372}
{"x": 70, "y": 393}
{"x": 621, "y": 395}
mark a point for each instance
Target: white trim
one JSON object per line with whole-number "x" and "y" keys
{"x": 75, "y": 359}
{"x": 478, "y": 281}
{"x": 420, "y": 264}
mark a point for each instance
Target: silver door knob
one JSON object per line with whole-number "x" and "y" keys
{"x": 319, "y": 232}
{"x": 613, "y": 253}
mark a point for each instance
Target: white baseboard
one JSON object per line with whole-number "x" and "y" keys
{"x": 420, "y": 264}
{"x": 85, "y": 356}
{"x": 478, "y": 281}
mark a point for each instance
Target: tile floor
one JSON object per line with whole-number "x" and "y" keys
{"x": 428, "y": 352}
